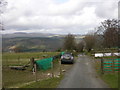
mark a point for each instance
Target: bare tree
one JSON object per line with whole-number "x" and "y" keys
{"x": 69, "y": 42}
{"x": 89, "y": 42}
{"x": 80, "y": 46}
{"x": 109, "y": 32}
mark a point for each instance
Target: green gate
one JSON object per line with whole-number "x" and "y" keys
{"x": 111, "y": 65}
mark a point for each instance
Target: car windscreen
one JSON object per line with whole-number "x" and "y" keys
{"x": 67, "y": 55}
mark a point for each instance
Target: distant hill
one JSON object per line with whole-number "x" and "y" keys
{"x": 49, "y": 35}
{"x": 21, "y": 34}
{"x": 32, "y": 42}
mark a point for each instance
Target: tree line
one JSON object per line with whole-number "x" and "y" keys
{"x": 107, "y": 35}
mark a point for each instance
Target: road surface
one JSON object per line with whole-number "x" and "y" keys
{"x": 82, "y": 75}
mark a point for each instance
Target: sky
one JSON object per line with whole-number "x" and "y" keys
{"x": 57, "y": 16}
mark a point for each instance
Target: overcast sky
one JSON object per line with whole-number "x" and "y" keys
{"x": 57, "y": 16}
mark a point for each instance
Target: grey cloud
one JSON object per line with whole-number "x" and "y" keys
{"x": 66, "y": 18}
{"x": 106, "y": 9}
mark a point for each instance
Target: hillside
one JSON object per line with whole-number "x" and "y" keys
{"x": 21, "y": 34}
{"x": 29, "y": 44}
{"x": 33, "y": 42}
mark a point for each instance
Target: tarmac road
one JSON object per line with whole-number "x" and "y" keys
{"x": 82, "y": 75}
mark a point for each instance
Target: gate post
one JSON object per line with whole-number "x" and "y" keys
{"x": 113, "y": 69}
{"x": 102, "y": 71}
{"x": 32, "y": 62}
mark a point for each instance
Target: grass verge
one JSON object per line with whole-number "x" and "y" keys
{"x": 47, "y": 83}
{"x": 111, "y": 79}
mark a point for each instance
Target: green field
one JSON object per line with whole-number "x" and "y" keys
{"x": 23, "y": 58}
{"x": 12, "y": 56}
{"x": 16, "y": 78}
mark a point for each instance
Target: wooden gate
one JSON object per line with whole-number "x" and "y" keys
{"x": 110, "y": 65}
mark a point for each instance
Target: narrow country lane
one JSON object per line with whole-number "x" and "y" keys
{"x": 82, "y": 75}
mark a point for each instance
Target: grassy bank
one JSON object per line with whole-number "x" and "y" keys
{"x": 47, "y": 83}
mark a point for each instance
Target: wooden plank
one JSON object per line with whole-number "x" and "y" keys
{"x": 107, "y": 70}
{"x": 107, "y": 63}
{"x": 116, "y": 66}
{"x": 117, "y": 69}
{"x": 117, "y": 62}
{"x": 107, "y": 66}
{"x": 107, "y": 59}
{"x": 117, "y": 59}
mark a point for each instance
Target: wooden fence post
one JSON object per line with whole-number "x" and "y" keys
{"x": 102, "y": 71}
{"x": 60, "y": 67}
{"x": 32, "y": 62}
{"x": 35, "y": 68}
{"x": 52, "y": 71}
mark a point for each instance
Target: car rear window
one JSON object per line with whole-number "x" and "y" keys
{"x": 67, "y": 55}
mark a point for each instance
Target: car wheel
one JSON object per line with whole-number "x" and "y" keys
{"x": 72, "y": 62}
{"x": 62, "y": 62}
